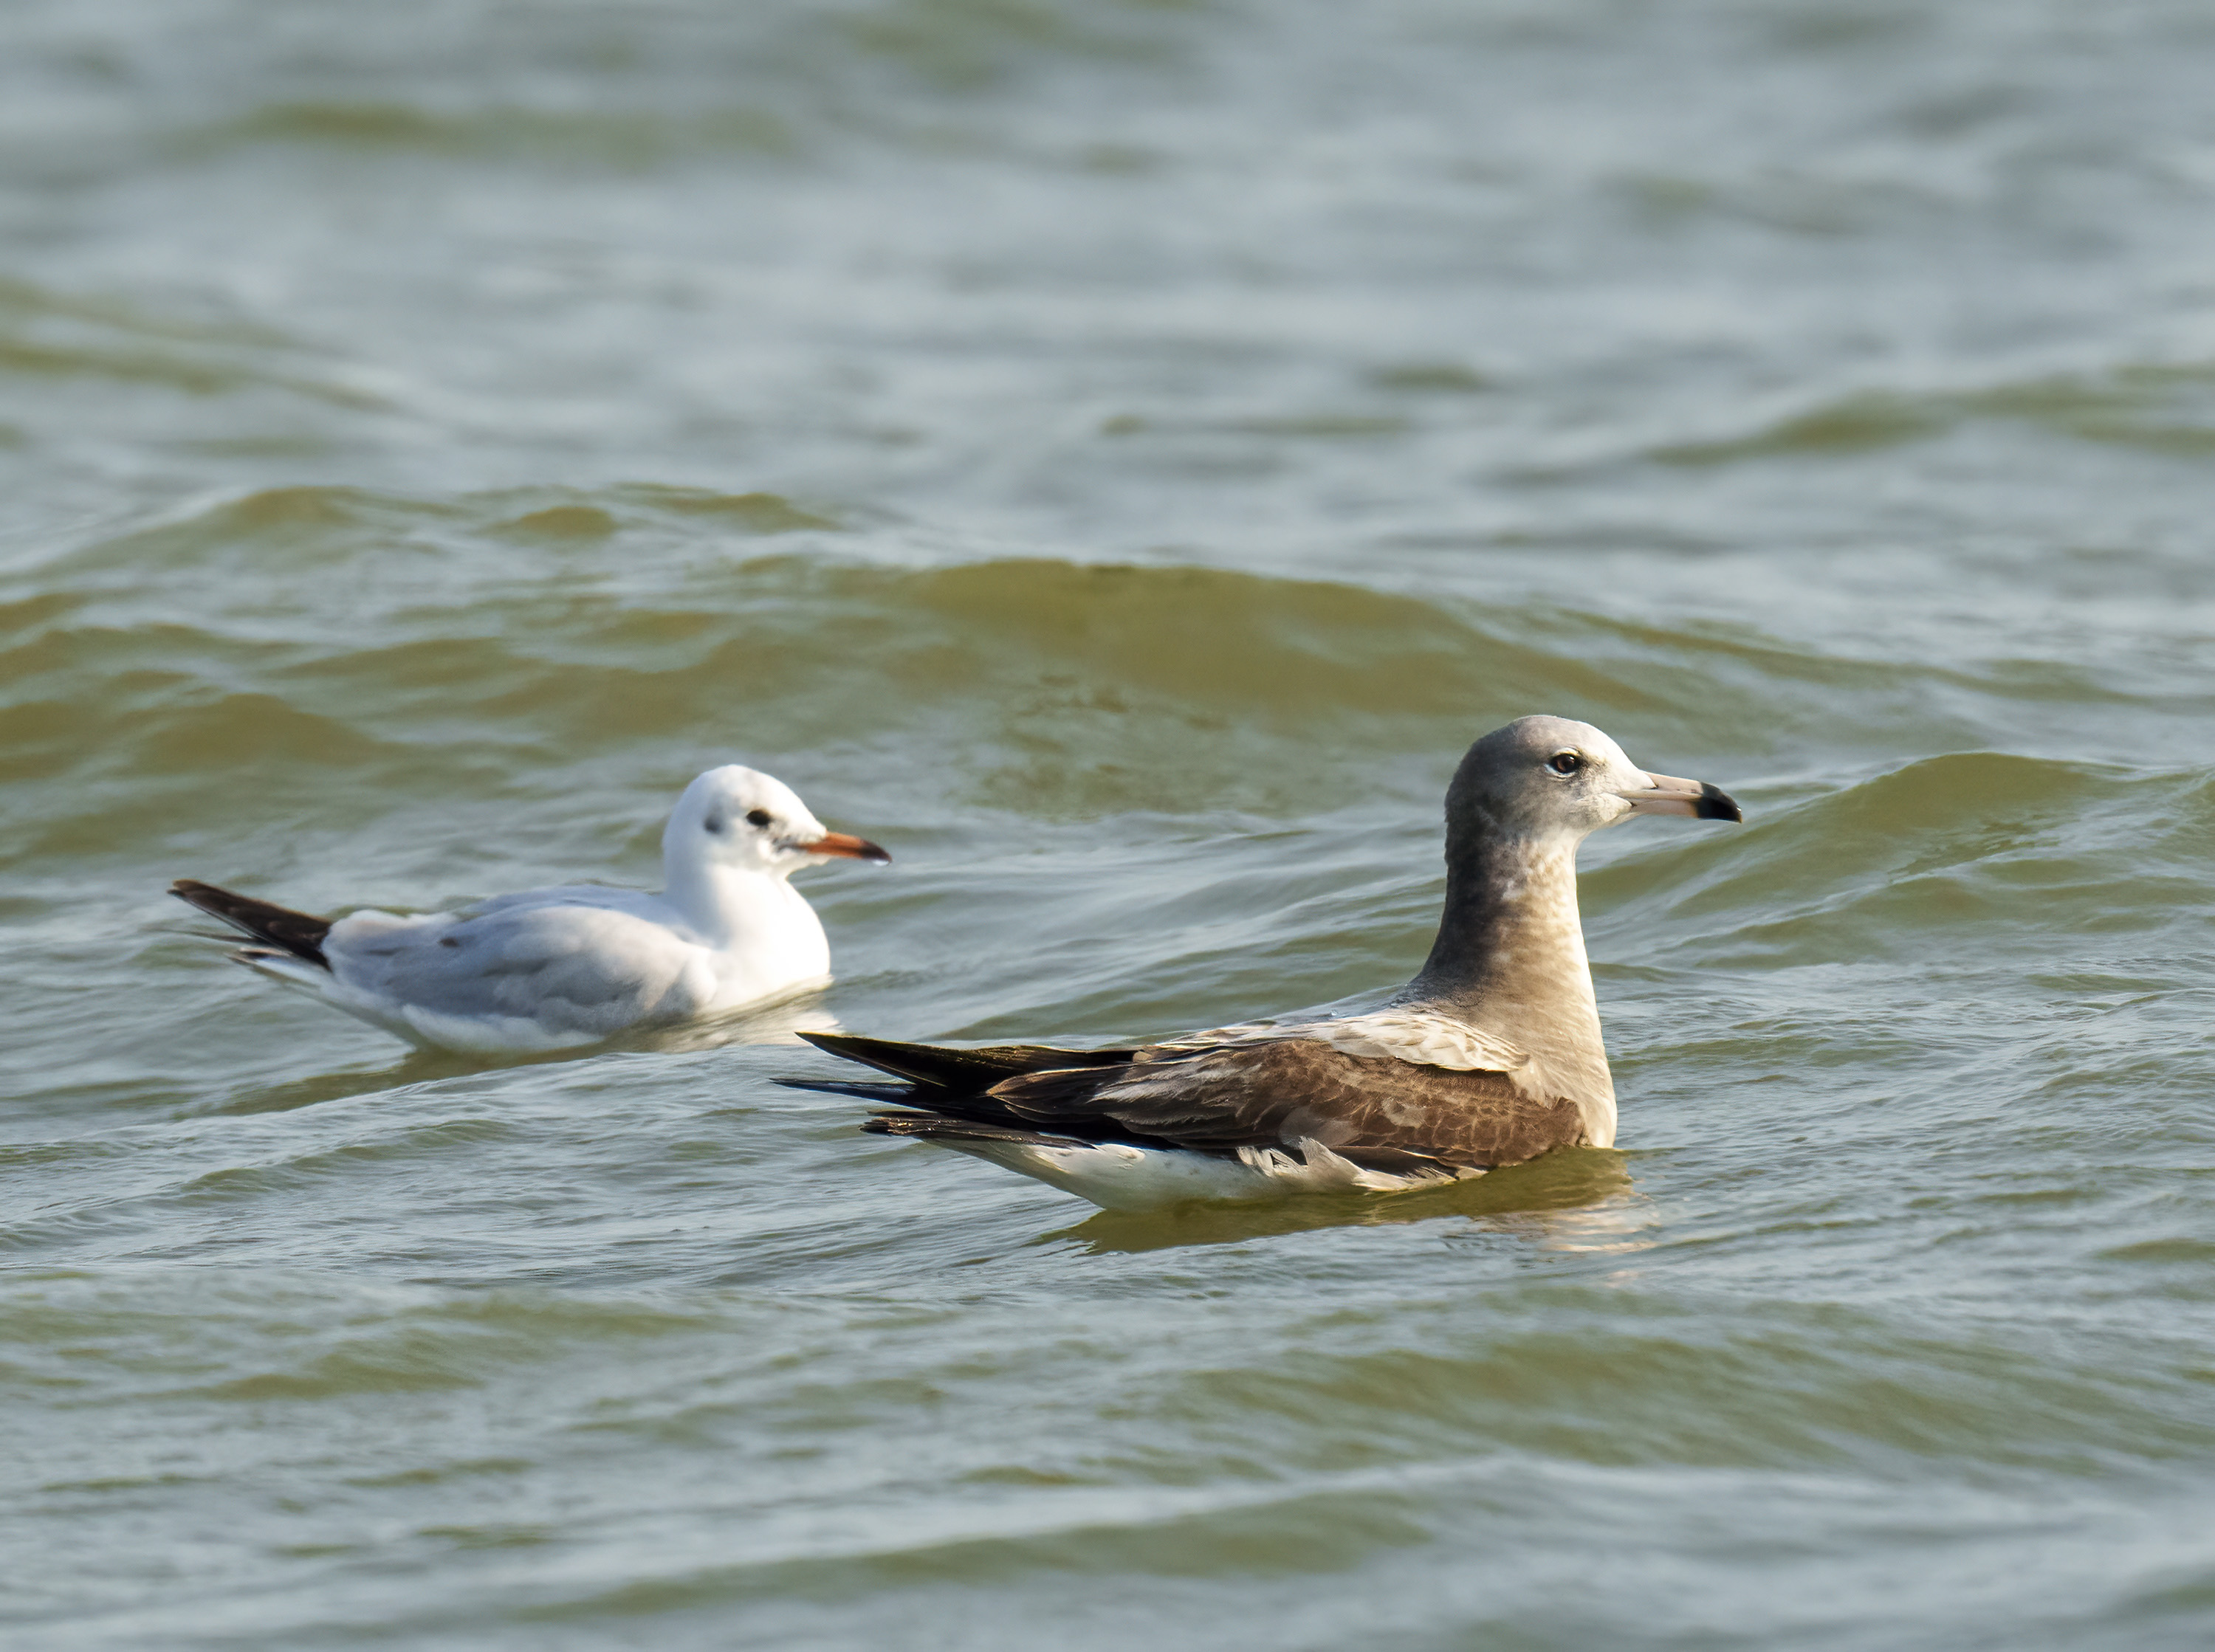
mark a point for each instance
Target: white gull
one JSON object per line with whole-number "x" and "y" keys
{"x": 556, "y": 969}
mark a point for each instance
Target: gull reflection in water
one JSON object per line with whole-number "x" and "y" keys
{"x": 1578, "y": 1201}
{"x": 781, "y": 1022}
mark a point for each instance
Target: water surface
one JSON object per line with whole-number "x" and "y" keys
{"x": 1117, "y": 456}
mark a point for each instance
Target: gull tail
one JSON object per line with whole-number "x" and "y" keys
{"x": 296, "y": 934}
{"x": 966, "y": 1071}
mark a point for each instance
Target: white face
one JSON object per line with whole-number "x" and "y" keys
{"x": 739, "y": 817}
{"x": 749, "y": 817}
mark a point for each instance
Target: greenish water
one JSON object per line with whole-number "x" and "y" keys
{"x": 1117, "y": 456}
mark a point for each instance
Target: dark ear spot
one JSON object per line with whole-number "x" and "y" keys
{"x": 713, "y": 822}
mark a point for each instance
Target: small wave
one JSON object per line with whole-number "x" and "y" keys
{"x": 2164, "y": 409}
{"x": 1989, "y": 841}
{"x": 618, "y": 139}
{"x": 416, "y": 640}
{"x": 429, "y": 648}
{"x": 48, "y": 335}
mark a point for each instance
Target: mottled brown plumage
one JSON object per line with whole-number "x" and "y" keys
{"x": 1378, "y": 1113}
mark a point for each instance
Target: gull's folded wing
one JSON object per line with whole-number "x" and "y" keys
{"x": 1379, "y": 1111}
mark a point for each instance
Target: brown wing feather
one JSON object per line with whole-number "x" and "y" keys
{"x": 1363, "y": 1108}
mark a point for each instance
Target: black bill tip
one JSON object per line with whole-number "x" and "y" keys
{"x": 1715, "y": 803}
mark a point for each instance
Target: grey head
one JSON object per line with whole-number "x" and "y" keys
{"x": 1510, "y": 953}
{"x": 1543, "y": 779}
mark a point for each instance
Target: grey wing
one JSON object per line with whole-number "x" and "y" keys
{"x": 610, "y": 898}
{"x": 565, "y": 969}
{"x": 1380, "y": 1112}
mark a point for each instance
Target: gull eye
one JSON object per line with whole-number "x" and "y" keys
{"x": 1565, "y": 762}
{"x": 757, "y": 816}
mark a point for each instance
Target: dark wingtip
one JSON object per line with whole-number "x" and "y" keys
{"x": 848, "y": 1046}
{"x": 1715, "y": 803}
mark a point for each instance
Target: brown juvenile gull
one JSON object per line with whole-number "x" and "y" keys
{"x": 560, "y": 968}
{"x": 1491, "y": 1055}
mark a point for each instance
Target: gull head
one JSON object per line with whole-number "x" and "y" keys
{"x": 742, "y": 818}
{"x": 1544, "y": 778}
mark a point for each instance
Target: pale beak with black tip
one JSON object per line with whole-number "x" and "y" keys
{"x": 843, "y": 846}
{"x": 1701, "y": 799}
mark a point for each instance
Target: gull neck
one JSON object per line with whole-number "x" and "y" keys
{"x": 1510, "y": 959}
{"x": 723, "y": 902}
